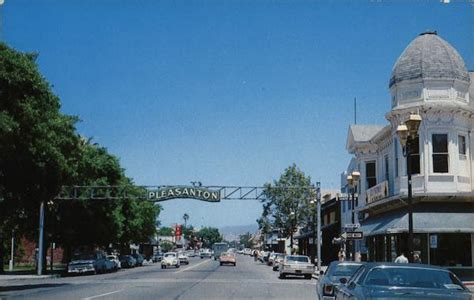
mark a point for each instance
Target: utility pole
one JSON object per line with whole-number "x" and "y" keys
{"x": 10, "y": 265}
{"x": 40, "y": 241}
{"x": 318, "y": 204}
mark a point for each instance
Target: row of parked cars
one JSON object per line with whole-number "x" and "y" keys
{"x": 99, "y": 262}
{"x": 286, "y": 265}
{"x": 358, "y": 280}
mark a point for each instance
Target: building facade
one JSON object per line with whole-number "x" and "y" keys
{"x": 430, "y": 79}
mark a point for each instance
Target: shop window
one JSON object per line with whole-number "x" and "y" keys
{"x": 415, "y": 156}
{"x": 370, "y": 174}
{"x": 462, "y": 146}
{"x": 332, "y": 217}
{"x": 395, "y": 145}
{"x": 440, "y": 153}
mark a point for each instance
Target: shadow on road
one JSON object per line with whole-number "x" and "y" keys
{"x": 30, "y": 286}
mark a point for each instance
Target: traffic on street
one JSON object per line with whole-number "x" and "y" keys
{"x": 200, "y": 279}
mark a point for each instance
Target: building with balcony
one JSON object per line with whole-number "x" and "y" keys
{"x": 430, "y": 79}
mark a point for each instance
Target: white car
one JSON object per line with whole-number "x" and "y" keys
{"x": 170, "y": 259}
{"x": 183, "y": 258}
{"x": 296, "y": 265}
{"x": 115, "y": 259}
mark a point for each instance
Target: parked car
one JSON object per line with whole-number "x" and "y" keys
{"x": 407, "y": 281}
{"x": 139, "y": 258}
{"x": 127, "y": 261}
{"x": 191, "y": 253}
{"x": 89, "y": 262}
{"x": 115, "y": 260}
{"x": 329, "y": 281}
{"x": 227, "y": 258}
{"x": 296, "y": 265}
{"x": 277, "y": 260}
{"x": 170, "y": 259}
{"x": 157, "y": 257}
{"x": 183, "y": 258}
{"x": 205, "y": 253}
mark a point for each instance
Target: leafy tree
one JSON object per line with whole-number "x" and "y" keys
{"x": 286, "y": 206}
{"x": 166, "y": 246}
{"x": 37, "y": 143}
{"x": 246, "y": 240}
{"x": 209, "y": 236}
{"x": 166, "y": 231}
{"x": 40, "y": 152}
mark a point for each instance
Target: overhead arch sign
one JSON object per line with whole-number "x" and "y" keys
{"x": 174, "y": 192}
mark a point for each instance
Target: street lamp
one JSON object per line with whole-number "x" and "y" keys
{"x": 407, "y": 133}
{"x": 352, "y": 181}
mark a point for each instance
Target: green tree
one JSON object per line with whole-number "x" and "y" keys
{"x": 286, "y": 207}
{"x": 166, "y": 231}
{"x": 209, "y": 236}
{"x": 37, "y": 143}
{"x": 246, "y": 240}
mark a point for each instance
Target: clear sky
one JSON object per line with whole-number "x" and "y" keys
{"x": 226, "y": 92}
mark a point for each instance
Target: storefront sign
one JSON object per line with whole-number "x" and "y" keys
{"x": 377, "y": 192}
{"x": 199, "y": 193}
{"x": 433, "y": 241}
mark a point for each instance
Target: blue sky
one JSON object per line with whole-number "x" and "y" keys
{"x": 226, "y": 92}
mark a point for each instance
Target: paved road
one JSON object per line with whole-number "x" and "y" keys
{"x": 201, "y": 279}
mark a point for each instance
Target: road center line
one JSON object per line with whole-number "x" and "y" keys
{"x": 192, "y": 267}
{"x": 102, "y": 295}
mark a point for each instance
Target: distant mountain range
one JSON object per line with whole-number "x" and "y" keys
{"x": 231, "y": 233}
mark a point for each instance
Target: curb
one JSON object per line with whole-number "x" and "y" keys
{"x": 26, "y": 277}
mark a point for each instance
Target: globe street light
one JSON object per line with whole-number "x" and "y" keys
{"x": 352, "y": 181}
{"x": 407, "y": 133}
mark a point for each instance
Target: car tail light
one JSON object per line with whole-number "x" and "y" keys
{"x": 328, "y": 289}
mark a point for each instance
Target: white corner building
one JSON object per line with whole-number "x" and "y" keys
{"x": 430, "y": 79}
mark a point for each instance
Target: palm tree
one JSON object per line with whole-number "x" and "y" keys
{"x": 185, "y": 217}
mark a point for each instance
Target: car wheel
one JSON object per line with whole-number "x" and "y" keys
{"x": 177, "y": 266}
{"x": 234, "y": 264}
{"x": 220, "y": 264}
{"x": 282, "y": 276}
{"x": 308, "y": 276}
{"x": 274, "y": 268}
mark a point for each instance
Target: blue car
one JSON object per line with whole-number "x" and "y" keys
{"x": 329, "y": 281}
{"x": 403, "y": 281}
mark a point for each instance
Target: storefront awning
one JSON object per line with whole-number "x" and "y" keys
{"x": 423, "y": 222}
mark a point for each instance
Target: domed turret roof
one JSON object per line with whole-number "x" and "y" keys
{"x": 429, "y": 56}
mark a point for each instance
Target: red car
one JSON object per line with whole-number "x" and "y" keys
{"x": 227, "y": 258}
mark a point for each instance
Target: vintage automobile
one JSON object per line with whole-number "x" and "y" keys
{"x": 116, "y": 262}
{"x": 402, "y": 281}
{"x": 227, "y": 258}
{"x": 139, "y": 258}
{"x": 329, "y": 281}
{"x": 157, "y": 257}
{"x": 205, "y": 253}
{"x": 183, "y": 258}
{"x": 90, "y": 262}
{"x": 127, "y": 261}
{"x": 296, "y": 265}
{"x": 277, "y": 260}
{"x": 170, "y": 259}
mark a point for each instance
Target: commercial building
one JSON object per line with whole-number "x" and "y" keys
{"x": 429, "y": 79}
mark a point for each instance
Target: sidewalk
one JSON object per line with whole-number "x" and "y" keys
{"x": 5, "y": 277}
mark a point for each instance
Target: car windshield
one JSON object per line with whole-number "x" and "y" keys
{"x": 170, "y": 255}
{"x": 303, "y": 259}
{"x": 344, "y": 270}
{"x": 83, "y": 256}
{"x": 278, "y": 255}
{"x": 413, "y": 277}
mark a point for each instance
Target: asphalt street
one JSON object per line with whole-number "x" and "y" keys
{"x": 201, "y": 279}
